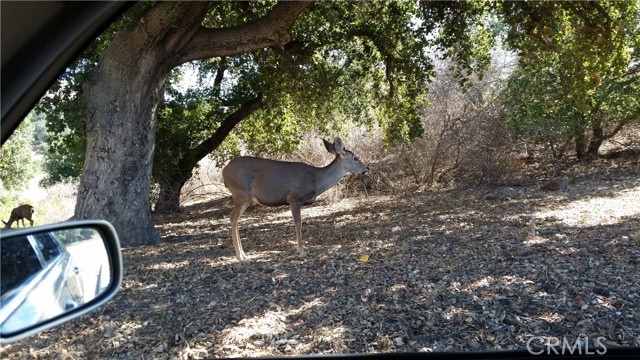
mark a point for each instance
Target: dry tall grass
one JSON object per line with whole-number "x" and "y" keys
{"x": 51, "y": 204}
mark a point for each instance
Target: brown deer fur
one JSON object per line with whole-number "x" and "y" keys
{"x": 22, "y": 212}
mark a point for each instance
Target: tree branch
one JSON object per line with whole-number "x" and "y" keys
{"x": 212, "y": 143}
{"x": 217, "y": 82}
{"x": 269, "y": 30}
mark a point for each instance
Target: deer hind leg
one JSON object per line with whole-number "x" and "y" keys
{"x": 297, "y": 220}
{"x": 238, "y": 210}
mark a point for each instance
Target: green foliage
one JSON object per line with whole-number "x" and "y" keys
{"x": 63, "y": 107}
{"x": 466, "y": 32}
{"x": 617, "y": 100}
{"x": 579, "y": 77}
{"x": 537, "y": 109}
{"x": 385, "y": 59}
{"x": 185, "y": 120}
{"x": 40, "y": 136}
{"x": 367, "y": 67}
{"x": 350, "y": 63}
{"x": 16, "y": 158}
{"x": 358, "y": 63}
{"x": 584, "y": 42}
{"x": 66, "y": 139}
{"x": 367, "y": 63}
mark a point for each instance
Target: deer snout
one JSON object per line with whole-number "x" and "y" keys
{"x": 365, "y": 171}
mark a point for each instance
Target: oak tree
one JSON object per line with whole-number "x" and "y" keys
{"x": 125, "y": 89}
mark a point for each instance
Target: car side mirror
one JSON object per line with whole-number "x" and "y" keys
{"x": 54, "y": 273}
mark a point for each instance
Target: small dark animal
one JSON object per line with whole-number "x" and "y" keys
{"x": 22, "y": 212}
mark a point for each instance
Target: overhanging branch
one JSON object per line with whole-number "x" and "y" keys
{"x": 270, "y": 30}
{"x": 212, "y": 143}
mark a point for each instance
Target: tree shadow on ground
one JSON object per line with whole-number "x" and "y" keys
{"x": 444, "y": 271}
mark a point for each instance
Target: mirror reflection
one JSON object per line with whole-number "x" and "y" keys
{"x": 46, "y": 274}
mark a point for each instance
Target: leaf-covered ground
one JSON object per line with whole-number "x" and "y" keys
{"x": 411, "y": 272}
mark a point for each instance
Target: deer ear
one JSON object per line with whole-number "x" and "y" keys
{"x": 338, "y": 145}
{"x": 329, "y": 146}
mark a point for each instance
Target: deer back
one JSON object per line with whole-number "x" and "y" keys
{"x": 269, "y": 182}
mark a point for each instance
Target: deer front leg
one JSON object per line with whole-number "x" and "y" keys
{"x": 297, "y": 220}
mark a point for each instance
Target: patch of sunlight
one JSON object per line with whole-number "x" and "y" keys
{"x": 228, "y": 260}
{"x": 345, "y": 205}
{"x": 197, "y": 352}
{"x": 490, "y": 281}
{"x": 597, "y": 210}
{"x": 535, "y": 240}
{"x": 167, "y": 266}
{"x": 484, "y": 282}
{"x": 265, "y": 328}
{"x": 177, "y": 225}
{"x": 606, "y": 303}
{"x": 280, "y": 277}
{"x": 453, "y": 312}
{"x": 117, "y": 336}
{"x": 277, "y": 215}
{"x": 542, "y": 294}
{"x": 257, "y": 255}
{"x": 568, "y": 251}
{"x": 397, "y": 287}
{"x": 511, "y": 280}
{"x": 551, "y": 317}
{"x": 271, "y": 322}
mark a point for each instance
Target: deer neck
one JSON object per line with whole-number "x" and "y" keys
{"x": 329, "y": 175}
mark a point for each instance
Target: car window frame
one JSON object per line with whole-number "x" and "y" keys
{"x": 15, "y": 112}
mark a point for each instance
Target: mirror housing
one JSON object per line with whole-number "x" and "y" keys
{"x": 86, "y": 282}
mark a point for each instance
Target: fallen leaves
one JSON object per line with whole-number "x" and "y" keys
{"x": 427, "y": 272}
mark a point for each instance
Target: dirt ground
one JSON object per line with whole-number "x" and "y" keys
{"x": 450, "y": 271}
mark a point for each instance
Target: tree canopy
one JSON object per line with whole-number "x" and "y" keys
{"x": 272, "y": 70}
{"x": 16, "y": 159}
{"x": 582, "y": 84}
{"x": 344, "y": 71}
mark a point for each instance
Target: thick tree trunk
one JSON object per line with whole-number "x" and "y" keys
{"x": 581, "y": 144}
{"x": 122, "y": 97}
{"x": 117, "y": 170}
{"x": 169, "y": 197}
{"x": 597, "y": 138}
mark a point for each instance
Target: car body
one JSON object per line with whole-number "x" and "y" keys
{"x": 53, "y": 273}
{"x": 39, "y": 280}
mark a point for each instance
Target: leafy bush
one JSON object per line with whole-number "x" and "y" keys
{"x": 17, "y": 165}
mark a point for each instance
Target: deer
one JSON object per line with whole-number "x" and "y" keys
{"x": 275, "y": 183}
{"x": 21, "y": 212}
